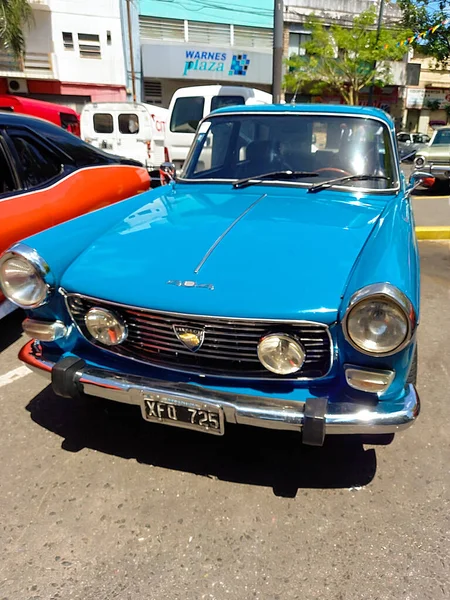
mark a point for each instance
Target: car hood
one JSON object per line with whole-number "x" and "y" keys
{"x": 262, "y": 252}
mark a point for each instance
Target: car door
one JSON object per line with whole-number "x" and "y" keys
{"x": 27, "y": 208}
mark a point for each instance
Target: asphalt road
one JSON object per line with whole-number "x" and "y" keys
{"x": 97, "y": 506}
{"x": 430, "y": 208}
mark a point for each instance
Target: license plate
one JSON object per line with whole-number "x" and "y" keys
{"x": 183, "y": 412}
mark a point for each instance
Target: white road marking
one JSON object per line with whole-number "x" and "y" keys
{"x": 14, "y": 375}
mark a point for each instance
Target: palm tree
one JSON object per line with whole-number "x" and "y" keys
{"x": 15, "y": 15}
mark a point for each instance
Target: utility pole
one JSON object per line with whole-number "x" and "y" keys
{"x": 277, "y": 65}
{"x": 380, "y": 19}
{"x": 130, "y": 40}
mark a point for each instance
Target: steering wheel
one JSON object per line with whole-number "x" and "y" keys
{"x": 334, "y": 170}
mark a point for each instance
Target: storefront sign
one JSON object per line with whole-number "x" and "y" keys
{"x": 427, "y": 98}
{"x": 182, "y": 61}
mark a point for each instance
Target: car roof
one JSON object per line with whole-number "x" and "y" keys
{"x": 339, "y": 109}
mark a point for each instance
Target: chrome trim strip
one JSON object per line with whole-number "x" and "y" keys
{"x": 39, "y": 265}
{"x": 299, "y": 323}
{"x": 309, "y": 114}
{"x": 346, "y": 417}
{"x": 227, "y": 230}
{"x": 382, "y": 290}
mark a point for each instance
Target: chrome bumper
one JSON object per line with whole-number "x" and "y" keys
{"x": 440, "y": 171}
{"x": 262, "y": 411}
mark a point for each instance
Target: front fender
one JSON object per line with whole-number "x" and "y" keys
{"x": 390, "y": 255}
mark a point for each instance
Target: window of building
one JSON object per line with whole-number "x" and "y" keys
{"x": 186, "y": 115}
{"x": 128, "y": 123}
{"x": 297, "y": 42}
{"x": 153, "y": 91}
{"x": 67, "y": 40}
{"x": 38, "y": 165}
{"x": 108, "y": 38}
{"x": 253, "y": 37}
{"x": 103, "y": 123}
{"x": 89, "y": 44}
{"x": 161, "y": 29}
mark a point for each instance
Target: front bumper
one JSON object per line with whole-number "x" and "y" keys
{"x": 441, "y": 172}
{"x": 316, "y": 417}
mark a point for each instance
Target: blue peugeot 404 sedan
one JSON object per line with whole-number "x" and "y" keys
{"x": 273, "y": 282}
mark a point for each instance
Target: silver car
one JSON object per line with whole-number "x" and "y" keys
{"x": 436, "y": 156}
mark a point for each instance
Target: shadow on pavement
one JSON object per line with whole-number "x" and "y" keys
{"x": 245, "y": 455}
{"x": 10, "y": 329}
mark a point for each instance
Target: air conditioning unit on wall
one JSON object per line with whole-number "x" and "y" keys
{"x": 17, "y": 86}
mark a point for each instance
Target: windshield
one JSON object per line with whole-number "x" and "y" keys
{"x": 442, "y": 137}
{"x": 235, "y": 147}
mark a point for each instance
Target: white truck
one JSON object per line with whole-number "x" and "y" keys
{"x": 129, "y": 129}
{"x": 189, "y": 105}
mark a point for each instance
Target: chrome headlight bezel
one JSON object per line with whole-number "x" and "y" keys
{"x": 390, "y": 294}
{"x": 420, "y": 161}
{"x": 40, "y": 267}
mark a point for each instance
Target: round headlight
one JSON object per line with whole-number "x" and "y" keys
{"x": 377, "y": 326}
{"x": 419, "y": 161}
{"x": 22, "y": 281}
{"x": 105, "y": 326}
{"x": 281, "y": 354}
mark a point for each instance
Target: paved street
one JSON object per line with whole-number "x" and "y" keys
{"x": 97, "y": 506}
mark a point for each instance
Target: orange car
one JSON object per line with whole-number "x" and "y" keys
{"x": 48, "y": 176}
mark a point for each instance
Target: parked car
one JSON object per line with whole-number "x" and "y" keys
{"x": 270, "y": 284}
{"x": 129, "y": 129}
{"x": 189, "y": 105}
{"x": 48, "y": 176}
{"x": 410, "y": 143}
{"x": 61, "y": 115}
{"x": 435, "y": 158}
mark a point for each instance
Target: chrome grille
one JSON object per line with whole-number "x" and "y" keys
{"x": 229, "y": 347}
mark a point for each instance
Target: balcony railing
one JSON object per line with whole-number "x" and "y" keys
{"x": 34, "y": 64}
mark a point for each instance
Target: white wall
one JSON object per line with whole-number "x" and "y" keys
{"x": 92, "y": 17}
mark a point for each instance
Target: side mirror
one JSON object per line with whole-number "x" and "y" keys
{"x": 167, "y": 173}
{"x": 420, "y": 178}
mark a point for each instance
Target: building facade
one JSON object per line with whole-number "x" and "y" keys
{"x": 428, "y": 104}
{"x": 342, "y": 12}
{"x": 197, "y": 42}
{"x": 74, "y": 54}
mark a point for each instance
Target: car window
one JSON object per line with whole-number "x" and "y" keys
{"x": 128, "y": 123}
{"x": 103, "y": 123}
{"x": 220, "y": 101}
{"x": 442, "y": 137}
{"x": 37, "y": 164}
{"x": 403, "y": 137}
{"x": 218, "y": 142}
{"x": 7, "y": 183}
{"x": 187, "y": 114}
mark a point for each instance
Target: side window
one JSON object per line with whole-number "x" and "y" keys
{"x": 128, "y": 123}
{"x": 103, "y": 123}
{"x": 220, "y": 101}
{"x": 7, "y": 183}
{"x": 37, "y": 164}
{"x": 186, "y": 115}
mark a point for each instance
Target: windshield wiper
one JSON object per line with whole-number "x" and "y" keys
{"x": 240, "y": 183}
{"x": 326, "y": 184}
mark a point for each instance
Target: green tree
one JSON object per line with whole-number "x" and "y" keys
{"x": 15, "y": 16}
{"x": 420, "y": 16}
{"x": 345, "y": 60}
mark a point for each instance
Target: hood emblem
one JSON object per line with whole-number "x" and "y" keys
{"x": 190, "y": 284}
{"x": 191, "y": 337}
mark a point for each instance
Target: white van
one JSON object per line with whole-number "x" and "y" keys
{"x": 189, "y": 105}
{"x": 129, "y": 129}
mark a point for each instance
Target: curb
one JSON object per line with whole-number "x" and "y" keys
{"x": 433, "y": 233}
